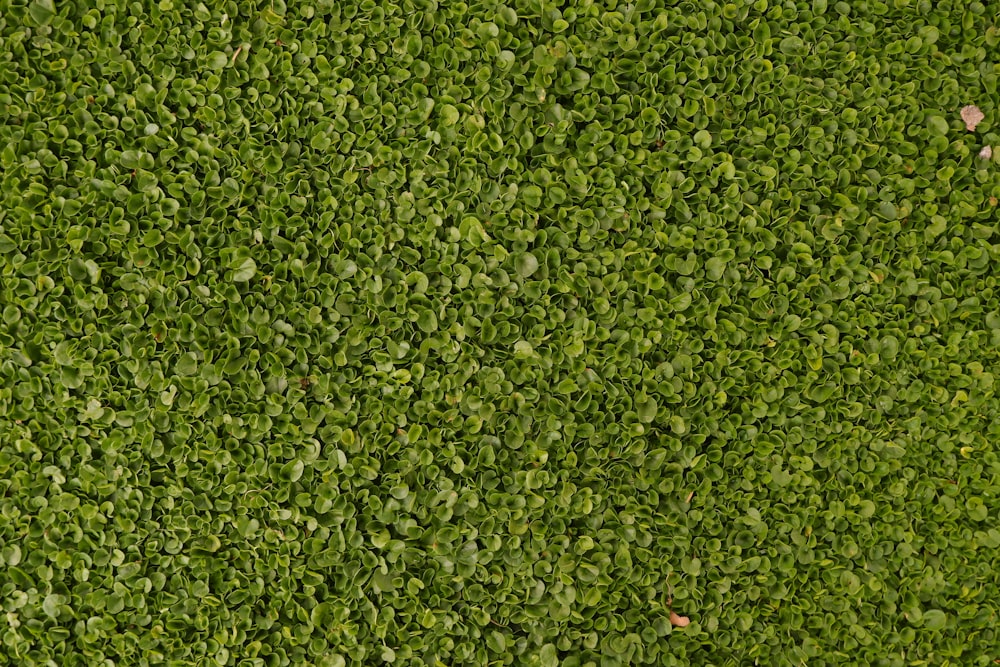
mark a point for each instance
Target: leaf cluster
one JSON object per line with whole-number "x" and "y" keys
{"x": 498, "y": 333}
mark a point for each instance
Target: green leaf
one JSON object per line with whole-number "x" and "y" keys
{"x": 244, "y": 270}
{"x": 130, "y": 159}
{"x": 677, "y": 424}
{"x": 187, "y": 364}
{"x": 935, "y": 619}
{"x": 51, "y": 605}
{"x": 549, "y": 656}
{"x": 472, "y": 231}
{"x": 938, "y": 124}
{"x": 822, "y": 393}
{"x": 381, "y": 539}
{"x": 647, "y": 410}
{"x": 11, "y": 555}
{"x": 292, "y": 471}
{"x": 449, "y": 114}
{"x": 217, "y": 60}
{"x": 210, "y": 543}
{"x": 427, "y": 321}
{"x": 793, "y": 46}
{"x": 496, "y": 642}
{"x": 42, "y": 11}
{"x": 714, "y": 268}
{"x": 526, "y": 264}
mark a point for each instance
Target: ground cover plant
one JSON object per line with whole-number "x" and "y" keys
{"x": 515, "y": 332}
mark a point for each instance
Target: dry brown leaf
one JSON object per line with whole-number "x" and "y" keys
{"x": 986, "y": 153}
{"x": 972, "y": 117}
{"x": 994, "y": 201}
{"x": 679, "y": 621}
{"x": 690, "y": 496}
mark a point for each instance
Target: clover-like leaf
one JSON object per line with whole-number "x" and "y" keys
{"x": 244, "y": 270}
{"x": 526, "y": 264}
{"x": 217, "y": 60}
{"x": 51, "y": 605}
{"x": 549, "y": 656}
{"x": 935, "y": 619}
{"x": 449, "y": 114}
{"x": 292, "y": 471}
{"x": 42, "y": 11}
{"x": 937, "y": 124}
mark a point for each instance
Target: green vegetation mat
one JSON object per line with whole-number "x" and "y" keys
{"x": 557, "y": 334}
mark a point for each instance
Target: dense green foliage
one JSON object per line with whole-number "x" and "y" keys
{"x": 508, "y": 332}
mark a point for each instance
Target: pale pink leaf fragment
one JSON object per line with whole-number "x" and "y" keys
{"x": 986, "y": 153}
{"x": 972, "y": 117}
{"x": 679, "y": 621}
